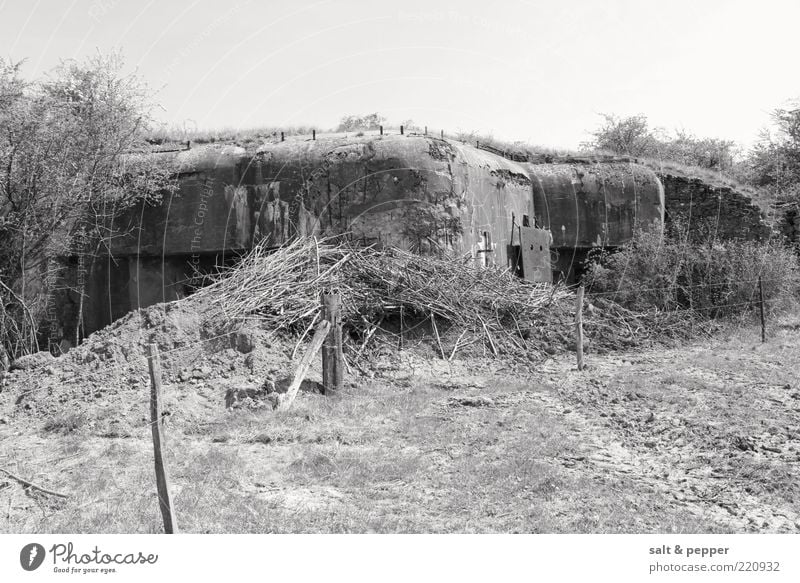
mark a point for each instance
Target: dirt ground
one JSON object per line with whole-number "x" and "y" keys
{"x": 699, "y": 438}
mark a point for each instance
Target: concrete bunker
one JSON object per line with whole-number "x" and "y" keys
{"x": 419, "y": 193}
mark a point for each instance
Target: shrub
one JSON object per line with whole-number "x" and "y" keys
{"x": 351, "y": 123}
{"x": 632, "y": 136}
{"x": 65, "y": 423}
{"x": 715, "y": 279}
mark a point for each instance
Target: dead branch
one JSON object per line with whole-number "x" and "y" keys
{"x": 29, "y": 484}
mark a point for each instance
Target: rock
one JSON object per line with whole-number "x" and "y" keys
{"x": 245, "y": 397}
{"x": 744, "y": 443}
{"x": 476, "y": 401}
{"x": 243, "y": 342}
{"x": 307, "y": 386}
{"x": 201, "y": 373}
{"x": 650, "y": 418}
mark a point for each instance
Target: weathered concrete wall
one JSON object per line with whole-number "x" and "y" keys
{"x": 415, "y": 192}
{"x": 596, "y": 204}
{"x": 411, "y": 192}
{"x": 704, "y": 209}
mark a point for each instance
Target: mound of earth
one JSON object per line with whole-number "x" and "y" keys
{"x": 104, "y": 385}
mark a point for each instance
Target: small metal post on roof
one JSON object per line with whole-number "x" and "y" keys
{"x": 442, "y": 134}
{"x": 188, "y": 144}
{"x": 313, "y": 134}
{"x": 282, "y": 136}
{"x": 381, "y": 127}
{"x": 426, "y": 130}
{"x": 477, "y": 143}
{"x": 401, "y": 130}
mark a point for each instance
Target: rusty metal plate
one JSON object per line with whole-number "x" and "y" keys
{"x": 535, "y": 248}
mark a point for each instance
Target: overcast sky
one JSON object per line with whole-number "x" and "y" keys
{"x": 539, "y": 71}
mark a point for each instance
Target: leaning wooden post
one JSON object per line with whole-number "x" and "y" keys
{"x": 332, "y": 359}
{"x": 156, "y": 424}
{"x": 285, "y": 400}
{"x": 579, "y": 327}
{"x": 761, "y": 307}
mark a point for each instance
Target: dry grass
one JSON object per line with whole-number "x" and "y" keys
{"x": 632, "y": 444}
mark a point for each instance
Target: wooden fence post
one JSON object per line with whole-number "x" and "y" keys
{"x": 156, "y": 424}
{"x": 761, "y": 307}
{"x": 579, "y": 327}
{"x": 332, "y": 361}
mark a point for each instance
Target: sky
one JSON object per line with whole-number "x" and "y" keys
{"x": 537, "y": 71}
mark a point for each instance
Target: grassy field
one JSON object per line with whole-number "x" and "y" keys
{"x": 703, "y": 438}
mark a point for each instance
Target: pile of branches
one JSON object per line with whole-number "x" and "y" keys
{"x": 613, "y": 326}
{"x": 279, "y": 286}
{"x": 282, "y": 288}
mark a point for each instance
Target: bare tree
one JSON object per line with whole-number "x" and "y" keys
{"x": 72, "y": 158}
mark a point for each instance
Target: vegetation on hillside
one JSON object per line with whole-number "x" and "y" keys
{"x": 633, "y": 136}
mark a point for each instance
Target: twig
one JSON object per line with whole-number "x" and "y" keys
{"x": 452, "y": 354}
{"x": 436, "y": 332}
{"x": 303, "y": 336}
{"x": 489, "y": 336}
{"x": 369, "y": 334}
{"x": 346, "y": 364}
{"x": 25, "y": 309}
{"x": 29, "y": 484}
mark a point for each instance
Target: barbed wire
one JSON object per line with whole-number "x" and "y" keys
{"x": 676, "y": 285}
